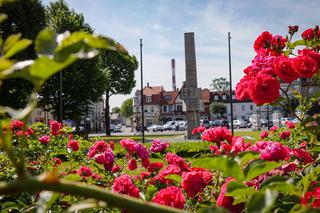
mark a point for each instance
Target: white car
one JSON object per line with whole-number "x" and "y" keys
{"x": 170, "y": 125}
{"x": 183, "y": 125}
{"x": 155, "y": 128}
{"x": 239, "y": 124}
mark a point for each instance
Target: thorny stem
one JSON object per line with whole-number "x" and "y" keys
{"x": 113, "y": 199}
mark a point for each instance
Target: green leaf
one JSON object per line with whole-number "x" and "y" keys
{"x": 229, "y": 167}
{"x": 238, "y": 189}
{"x": 299, "y": 43}
{"x": 13, "y": 45}
{"x": 309, "y": 178}
{"x": 3, "y": 17}
{"x": 284, "y": 188}
{"x": 213, "y": 210}
{"x": 44, "y": 67}
{"x": 273, "y": 179}
{"x": 5, "y": 64}
{"x": 245, "y": 157}
{"x": 258, "y": 167}
{"x": 298, "y": 208}
{"x": 174, "y": 177}
{"x": 262, "y": 201}
{"x": 45, "y": 42}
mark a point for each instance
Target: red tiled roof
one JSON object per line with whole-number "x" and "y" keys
{"x": 152, "y": 90}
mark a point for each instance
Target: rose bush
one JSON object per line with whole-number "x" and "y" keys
{"x": 48, "y": 168}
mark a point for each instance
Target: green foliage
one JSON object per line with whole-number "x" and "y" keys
{"x": 220, "y": 84}
{"x": 83, "y": 82}
{"x": 218, "y": 108}
{"x": 258, "y": 167}
{"x": 115, "y": 110}
{"x": 127, "y": 108}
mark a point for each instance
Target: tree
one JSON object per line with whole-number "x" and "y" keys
{"x": 119, "y": 67}
{"x": 115, "y": 110}
{"x": 127, "y": 108}
{"x": 218, "y": 108}
{"x": 220, "y": 84}
{"x": 28, "y": 18}
{"x": 83, "y": 82}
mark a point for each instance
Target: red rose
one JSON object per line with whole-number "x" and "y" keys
{"x": 264, "y": 134}
{"x": 16, "y": 125}
{"x": 84, "y": 171}
{"x": 274, "y": 128}
{"x": 194, "y": 182}
{"x": 115, "y": 169}
{"x": 170, "y": 196}
{"x": 264, "y": 89}
{"x": 124, "y": 185}
{"x": 226, "y": 201}
{"x": 44, "y": 139}
{"x": 74, "y": 145}
{"x": 284, "y": 69}
{"x": 275, "y": 151}
{"x": 308, "y": 34}
{"x": 311, "y": 53}
{"x": 263, "y": 41}
{"x": 242, "y": 88}
{"x": 55, "y": 127}
{"x": 305, "y": 66}
{"x": 179, "y": 161}
{"x": 128, "y": 144}
{"x": 302, "y": 155}
{"x": 132, "y": 164}
{"x": 238, "y": 145}
{"x": 285, "y": 134}
{"x": 278, "y": 42}
{"x": 199, "y": 129}
{"x": 290, "y": 124}
{"x": 57, "y": 161}
{"x": 216, "y": 134}
{"x": 153, "y": 167}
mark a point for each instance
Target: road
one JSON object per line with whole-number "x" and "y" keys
{"x": 127, "y": 131}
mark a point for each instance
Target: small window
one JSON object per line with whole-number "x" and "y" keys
{"x": 216, "y": 97}
{"x": 224, "y": 97}
{"x": 39, "y": 112}
{"x": 243, "y": 107}
{"x": 251, "y": 107}
{"x": 152, "y": 109}
{"x": 164, "y": 108}
{"x": 148, "y": 99}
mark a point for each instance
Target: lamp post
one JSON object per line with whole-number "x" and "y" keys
{"x": 60, "y": 97}
{"x": 141, "y": 93}
{"x": 230, "y": 84}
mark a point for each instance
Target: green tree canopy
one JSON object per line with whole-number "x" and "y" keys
{"x": 218, "y": 109}
{"x": 127, "y": 108}
{"x": 220, "y": 84}
{"x": 28, "y": 18}
{"x": 115, "y": 110}
{"x": 83, "y": 82}
{"x": 119, "y": 67}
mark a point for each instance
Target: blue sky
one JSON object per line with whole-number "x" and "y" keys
{"x": 162, "y": 24}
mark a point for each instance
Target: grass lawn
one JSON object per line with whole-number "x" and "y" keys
{"x": 249, "y": 134}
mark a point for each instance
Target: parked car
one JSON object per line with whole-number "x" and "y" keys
{"x": 118, "y": 128}
{"x": 284, "y": 120}
{"x": 170, "y": 125}
{"x": 264, "y": 123}
{"x": 183, "y": 125}
{"x": 205, "y": 123}
{"x": 112, "y": 127}
{"x": 225, "y": 123}
{"x": 155, "y": 128}
{"x": 215, "y": 123}
{"x": 239, "y": 124}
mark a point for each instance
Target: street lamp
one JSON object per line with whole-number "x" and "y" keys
{"x": 141, "y": 93}
{"x": 230, "y": 84}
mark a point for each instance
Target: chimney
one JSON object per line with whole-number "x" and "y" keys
{"x": 173, "y": 66}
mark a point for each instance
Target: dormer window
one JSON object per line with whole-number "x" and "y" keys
{"x": 148, "y": 99}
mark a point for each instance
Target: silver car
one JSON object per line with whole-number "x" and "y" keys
{"x": 155, "y": 128}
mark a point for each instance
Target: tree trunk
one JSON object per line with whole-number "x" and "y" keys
{"x": 107, "y": 115}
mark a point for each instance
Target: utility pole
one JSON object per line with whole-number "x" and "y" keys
{"x": 230, "y": 84}
{"x": 141, "y": 101}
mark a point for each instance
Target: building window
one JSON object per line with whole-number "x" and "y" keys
{"x": 148, "y": 99}
{"x": 216, "y": 98}
{"x": 233, "y": 97}
{"x": 224, "y": 97}
{"x": 152, "y": 109}
{"x": 39, "y": 112}
{"x": 242, "y": 107}
{"x": 164, "y": 108}
{"x": 251, "y": 107}
{"x": 179, "y": 108}
{"x": 170, "y": 108}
